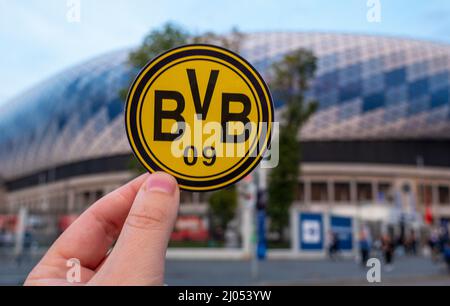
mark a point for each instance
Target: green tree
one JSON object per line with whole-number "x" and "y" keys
{"x": 223, "y": 204}
{"x": 231, "y": 41}
{"x": 156, "y": 42}
{"x": 291, "y": 78}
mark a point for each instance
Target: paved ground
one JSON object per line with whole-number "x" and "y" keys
{"x": 407, "y": 271}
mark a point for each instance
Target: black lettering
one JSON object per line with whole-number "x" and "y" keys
{"x": 161, "y": 114}
{"x": 227, "y": 98}
{"x": 202, "y": 108}
{"x": 194, "y": 156}
{"x": 211, "y": 157}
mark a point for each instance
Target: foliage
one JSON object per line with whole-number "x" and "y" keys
{"x": 291, "y": 77}
{"x": 156, "y": 42}
{"x": 223, "y": 204}
{"x": 231, "y": 41}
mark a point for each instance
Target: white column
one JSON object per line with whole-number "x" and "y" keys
{"x": 70, "y": 201}
{"x": 20, "y": 230}
{"x": 374, "y": 191}
{"x": 353, "y": 192}
{"x": 295, "y": 246}
{"x": 307, "y": 186}
{"x": 434, "y": 194}
{"x": 247, "y": 229}
{"x": 247, "y": 207}
{"x": 330, "y": 191}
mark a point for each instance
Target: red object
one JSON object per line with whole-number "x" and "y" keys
{"x": 66, "y": 221}
{"x": 190, "y": 228}
{"x": 428, "y": 215}
{"x": 8, "y": 222}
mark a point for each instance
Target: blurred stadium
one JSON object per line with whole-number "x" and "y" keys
{"x": 376, "y": 149}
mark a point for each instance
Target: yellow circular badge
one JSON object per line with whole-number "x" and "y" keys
{"x": 201, "y": 113}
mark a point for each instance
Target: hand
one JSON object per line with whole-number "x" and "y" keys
{"x": 139, "y": 215}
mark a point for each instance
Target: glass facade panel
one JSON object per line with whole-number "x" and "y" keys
{"x": 373, "y": 102}
{"x": 384, "y": 192}
{"x": 444, "y": 195}
{"x": 395, "y": 77}
{"x": 364, "y": 192}
{"x": 319, "y": 192}
{"x": 300, "y": 192}
{"x": 425, "y": 194}
{"x": 342, "y": 192}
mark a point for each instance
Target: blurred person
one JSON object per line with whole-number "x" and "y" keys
{"x": 377, "y": 247}
{"x": 120, "y": 240}
{"x": 332, "y": 244}
{"x": 433, "y": 243}
{"x": 400, "y": 245}
{"x": 446, "y": 255}
{"x": 387, "y": 246}
{"x": 364, "y": 246}
{"x": 412, "y": 243}
{"x": 8, "y": 239}
{"x": 443, "y": 238}
{"x": 2, "y": 237}
{"x": 337, "y": 245}
{"x": 329, "y": 243}
{"x": 27, "y": 243}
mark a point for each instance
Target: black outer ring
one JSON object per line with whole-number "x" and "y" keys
{"x": 266, "y": 107}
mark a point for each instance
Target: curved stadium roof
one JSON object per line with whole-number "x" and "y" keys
{"x": 368, "y": 87}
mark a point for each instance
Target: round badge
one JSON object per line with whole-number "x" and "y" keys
{"x": 200, "y": 113}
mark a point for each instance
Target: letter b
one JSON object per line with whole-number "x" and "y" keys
{"x": 161, "y": 114}
{"x": 227, "y": 116}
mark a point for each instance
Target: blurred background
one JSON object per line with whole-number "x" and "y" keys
{"x": 361, "y": 91}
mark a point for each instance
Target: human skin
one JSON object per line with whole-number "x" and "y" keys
{"x": 135, "y": 220}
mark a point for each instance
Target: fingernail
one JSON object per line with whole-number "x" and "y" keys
{"x": 161, "y": 182}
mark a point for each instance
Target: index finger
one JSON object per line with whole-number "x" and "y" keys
{"x": 89, "y": 238}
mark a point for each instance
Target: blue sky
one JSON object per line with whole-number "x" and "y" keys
{"x": 37, "y": 41}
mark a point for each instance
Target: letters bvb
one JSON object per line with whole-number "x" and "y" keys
{"x": 201, "y": 109}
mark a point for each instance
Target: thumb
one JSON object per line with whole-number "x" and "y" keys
{"x": 139, "y": 254}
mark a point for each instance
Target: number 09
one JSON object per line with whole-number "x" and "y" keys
{"x": 191, "y": 156}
